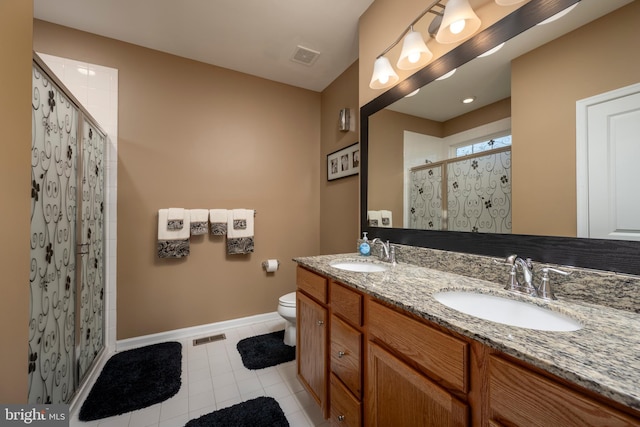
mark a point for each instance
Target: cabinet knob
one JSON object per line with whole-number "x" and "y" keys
{"x": 320, "y": 322}
{"x": 341, "y": 354}
{"x": 340, "y": 418}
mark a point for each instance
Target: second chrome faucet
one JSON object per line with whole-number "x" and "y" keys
{"x": 521, "y": 278}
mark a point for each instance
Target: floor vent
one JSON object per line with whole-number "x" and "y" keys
{"x": 207, "y": 340}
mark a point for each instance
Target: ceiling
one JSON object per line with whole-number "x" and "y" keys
{"x": 257, "y": 37}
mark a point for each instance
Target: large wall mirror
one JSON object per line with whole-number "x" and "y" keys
{"x": 528, "y": 91}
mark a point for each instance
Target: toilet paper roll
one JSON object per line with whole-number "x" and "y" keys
{"x": 270, "y": 265}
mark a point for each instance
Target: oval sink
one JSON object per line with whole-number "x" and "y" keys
{"x": 360, "y": 267}
{"x": 507, "y": 311}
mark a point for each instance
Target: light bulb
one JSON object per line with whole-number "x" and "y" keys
{"x": 457, "y": 26}
{"x": 414, "y": 57}
{"x": 384, "y": 79}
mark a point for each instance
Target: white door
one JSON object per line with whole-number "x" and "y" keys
{"x": 608, "y": 165}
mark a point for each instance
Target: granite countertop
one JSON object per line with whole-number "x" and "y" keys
{"x": 603, "y": 356}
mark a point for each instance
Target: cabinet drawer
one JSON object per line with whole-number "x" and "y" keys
{"x": 345, "y": 409}
{"x": 346, "y": 345}
{"x": 312, "y": 283}
{"x": 346, "y": 303}
{"x": 443, "y": 357}
{"x": 518, "y": 396}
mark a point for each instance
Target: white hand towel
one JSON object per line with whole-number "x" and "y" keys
{"x": 218, "y": 219}
{"x": 199, "y": 221}
{"x": 387, "y": 220}
{"x": 240, "y": 223}
{"x": 175, "y": 218}
{"x": 218, "y": 215}
{"x": 374, "y": 218}
{"x": 199, "y": 215}
{"x": 165, "y": 234}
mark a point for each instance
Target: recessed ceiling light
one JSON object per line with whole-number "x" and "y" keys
{"x": 412, "y": 93}
{"x": 468, "y": 100}
{"x": 491, "y": 51}
{"x": 446, "y": 76}
{"x": 558, "y": 15}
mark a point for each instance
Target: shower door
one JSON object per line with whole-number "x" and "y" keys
{"x": 66, "y": 326}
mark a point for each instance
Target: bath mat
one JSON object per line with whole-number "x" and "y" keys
{"x": 258, "y": 412}
{"x": 265, "y": 350}
{"x": 135, "y": 379}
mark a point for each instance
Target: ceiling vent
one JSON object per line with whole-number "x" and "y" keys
{"x": 306, "y": 56}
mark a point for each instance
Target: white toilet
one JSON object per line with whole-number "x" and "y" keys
{"x": 287, "y": 309}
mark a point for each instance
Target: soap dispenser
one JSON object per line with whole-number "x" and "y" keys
{"x": 364, "y": 248}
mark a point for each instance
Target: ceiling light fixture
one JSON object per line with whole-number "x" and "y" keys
{"x": 468, "y": 100}
{"x": 455, "y": 21}
{"x": 447, "y": 75}
{"x": 492, "y": 51}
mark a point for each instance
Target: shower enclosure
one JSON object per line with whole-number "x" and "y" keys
{"x": 67, "y": 301}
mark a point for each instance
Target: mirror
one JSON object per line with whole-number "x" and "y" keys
{"x": 542, "y": 200}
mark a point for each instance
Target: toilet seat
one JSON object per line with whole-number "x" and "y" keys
{"x": 288, "y": 300}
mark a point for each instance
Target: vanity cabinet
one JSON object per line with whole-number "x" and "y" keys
{"x": 311, "y": 341}
{"x": 416, "y": 375}
{"x": 345, "y": 360}
{"x": 519, "y": 396}
{"x": 369, "y": 363}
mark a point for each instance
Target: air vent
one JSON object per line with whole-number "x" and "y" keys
{"x": 306, "y": 56}
{"x": 207, "y": 340}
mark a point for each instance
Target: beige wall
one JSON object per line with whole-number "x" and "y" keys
{"x": 197, "y": 136}
{"x": 15, "y": 120}
{"x": 339, "y": 199}
{"x": 546, "y": 84}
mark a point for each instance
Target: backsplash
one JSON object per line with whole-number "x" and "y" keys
{"x": 618, "y": 291}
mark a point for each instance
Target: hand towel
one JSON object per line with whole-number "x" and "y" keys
{"x": 240, "y": 232}
{"x": 374, "y": 218}
{"x": 387, "y": 220}
{"x": 175, "y": 218}
{"x": 218, "y": 219}
{"x": 199, "y": 221}
{"x": 172, "y": 243}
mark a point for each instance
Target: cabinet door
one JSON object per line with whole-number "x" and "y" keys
{"x": 518, "y": 396}
{"x": 398, "y": 395}
{"x": 312, "y": 347}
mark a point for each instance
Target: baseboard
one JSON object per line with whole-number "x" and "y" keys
{"x": 195, "y": 331}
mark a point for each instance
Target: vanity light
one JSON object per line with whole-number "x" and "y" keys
{"x": 415, "y": 53}
{"x": 458, "y": 23}
{"x": 383, "y": 74}
{"x": 454, "y": 22}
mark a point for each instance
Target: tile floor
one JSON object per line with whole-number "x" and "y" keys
{"x": 213, "y": 377}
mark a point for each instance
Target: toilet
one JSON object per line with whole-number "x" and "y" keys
{"x": 287, "y": 309}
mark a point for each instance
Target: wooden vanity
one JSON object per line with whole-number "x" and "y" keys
{"x": 368, "y": 362}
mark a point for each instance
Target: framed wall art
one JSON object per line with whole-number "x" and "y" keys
{"x": 344, "y": 162}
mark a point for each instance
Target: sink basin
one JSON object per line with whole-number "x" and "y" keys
{"x": 359, "y": 266}
{"x": 507, "y": 311}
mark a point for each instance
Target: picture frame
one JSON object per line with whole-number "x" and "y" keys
{"x": 344, "y": 162}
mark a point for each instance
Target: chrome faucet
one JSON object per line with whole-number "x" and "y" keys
{"x": 524, "y": 268}
{"x": 387, "y": 253}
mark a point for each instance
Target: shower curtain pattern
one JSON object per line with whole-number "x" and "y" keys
{"x": 53, "y": 240}
{"x": 66, "y": 322}
{"x": 478, "y": 194}
{"x": 92, "y": 258}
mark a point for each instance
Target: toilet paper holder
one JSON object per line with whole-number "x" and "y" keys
{"x": 270, "y": 265}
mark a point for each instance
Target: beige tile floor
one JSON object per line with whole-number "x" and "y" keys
{"x": 213, "y": 377}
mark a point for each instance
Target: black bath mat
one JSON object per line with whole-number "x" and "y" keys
{"x": 135, "y": 379}
{"x": 265, "y": 350}
{"x": 258, "y": 412}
